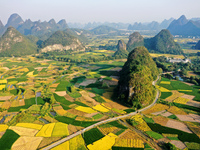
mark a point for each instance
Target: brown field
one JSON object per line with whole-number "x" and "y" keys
{"x": 47, "y": 141}
{"x": 108, "y": 95}
{"x": 72, "y": 129}
{"x": 69, "y": 98}
{"x": 178, "y": 144}
{"x": 91, "y": 115}
{"x": 191, "y": 73}
{"x": 128, "y": 134}
{"x": 159, "y": 112}
{"x": 61, "y": 93}
{"x": 193, "y": 103}
{"x": 177, "y": 125}
{"x": 27, "y": 143}
{"x": 87, "y": 82}
{"x": 61, "y": 111}
{"x": 177, "y": 111}
{"x": 48, "y": 118}
{"x": 166, "y": 114}
{"x": 2, "y": 98}
{"x": 91, "y": 94}
{"x": 76, "y": 112}
{"x": 160, "y": 120}
{"x": 108, "y": 130}
{"x": 194, "y": 128}
{"x": 24, "y": 131}
{"x": 185, "y": 118}
{"x": 188, "y": 96}
{"x": 86, "y": 97}
{"x": 156, "y": 108}
{"x": 54, "y": 85}
{"x": 111, "y": 82}
{"x": 21, "y": 102}
{"x": 6, "y": 105}
{"x": 115, "y": 105}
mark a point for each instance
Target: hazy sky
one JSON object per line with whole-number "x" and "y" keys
{"x": 127, "y": 11}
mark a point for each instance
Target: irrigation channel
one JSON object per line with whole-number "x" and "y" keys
{"x": 103, "y": 122}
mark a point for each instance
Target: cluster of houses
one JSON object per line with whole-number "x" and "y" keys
{"x": 178, "y": 60}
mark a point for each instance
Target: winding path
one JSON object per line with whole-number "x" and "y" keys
{"x": 102, "y": 122}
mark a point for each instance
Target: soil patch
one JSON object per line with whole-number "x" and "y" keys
{"x": 91, "y": 94}
{"x": 159, "y": 112}
{"x": 61, "y": 93}
{"x": 69, "y": 98}
{"x": 76, "y": 112}
{"x": 87, "y": 82}
{"x": 193, "y": 103}
{"x": 90, "y": 115}
{"x": 177, "y": 125}
{"x": 167, "y": 114}
{"x": 178, "y": 144}
{"x": 4, "y": 98}
{"x": 160, "y": 120}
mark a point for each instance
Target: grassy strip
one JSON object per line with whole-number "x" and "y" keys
{"x": 92, "y": 135}
{"x": 62, "y": 100}
{"x": 8, "y": 139}
{"x": 74, "y": 122}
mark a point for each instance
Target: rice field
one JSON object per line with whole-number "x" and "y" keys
{"x": 46, "y": 130}
{"x": 85, "y": 109}
{"x": 29, "y": 125}
{"x": 100, "y": 108}
{"x": 181, "y": 100}
{"x": 105, "y": 143}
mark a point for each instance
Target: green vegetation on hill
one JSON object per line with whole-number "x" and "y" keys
{"x": 164, "y": 43}
{"x": 13, "y": 43}
{"x": 60, "y": 37}
{"x": 121, "y": 50}
{"x": 135, "y": 40}
{"x": 135, "y": 83}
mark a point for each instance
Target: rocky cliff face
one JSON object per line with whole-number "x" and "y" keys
{"x": 62, "y": 41}
{"x": 77, "y": 47}
{"x": 15, "y": 21}
{"x": 135, "y": 40}
{"x": 121, "y": 45}
{"x": 121, "y": 50}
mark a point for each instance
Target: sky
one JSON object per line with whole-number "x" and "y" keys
{"x": 84, "y": 11}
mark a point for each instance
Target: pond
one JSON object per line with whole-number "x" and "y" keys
{"x": 53, "y": 113}
{"x": 43, "y": 120}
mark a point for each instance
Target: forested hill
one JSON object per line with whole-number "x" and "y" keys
{"x": 164, "y": 43}
{"x": 13, "y": 43}
{"x": 135, "y": 83}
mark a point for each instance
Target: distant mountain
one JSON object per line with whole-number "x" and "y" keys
{"x": 37, "y": 28}
{"x": 135, "y": 40}
{"x": 185, "y": 27}
{"x": 197, "y": 46}
{"x": 105, "y": 30}
{"x": 13, "y": 43}
{"x": 14, "y": 20}
{"x": 136, "y": 77}
{"x": 2, "y": 28}
{"x": 121, "y": 50}
{"x": 163, "y": 42}
{"x": 61, "y": 41}
{"x": 151, "y": 26}
{"x": 90, "y": 26}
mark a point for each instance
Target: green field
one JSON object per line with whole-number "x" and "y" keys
{"x": 92, "y": 135}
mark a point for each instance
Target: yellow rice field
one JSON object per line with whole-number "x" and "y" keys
{"x": 85, "y": 109}
{"x": 185, "y": 90}
{"x": 77, "y": 143}
{"x": 63, "y": 146}
{"x": 100, "y": 108}
{"x": 46, "y": 130}
{"x": 156, "y": 108}
{"x": 162, "y": 89}
{"x": 3, "y": 127}
{"x": 2, "y": 87}
{"x": 165, "y": 82}
{"x": 27, "y": 143}
{"x": 105, "y": 143}
{"x": 136, "y": 143}
{"x": 30, "y": 74}
{"x": 29, "y": 125}
{"x": 176, "y": 110}
{"x": 23, "y": 70}
{"x": 181, "y": 100}
{"x": 60, "y": 129}
{"x": 23, "y": 131}
{"x": 3, "y": 81}
{"x": 174, "y": 95}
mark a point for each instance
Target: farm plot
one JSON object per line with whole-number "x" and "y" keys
{"x": 25, "y": 142}
{"x": 92, "y": 136}
{"x": 24, "y": 131}
{"x": 100, "y": 108}
{"x": 105, "y": 143}
{"x": 85, "y": 109}
{"x": 77, "y": 143}
{"x": 46, "y": 130}
{"x": 29, "y": 125}
{"x": 136, "y": 143}
{"x": 60, "y": 130}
